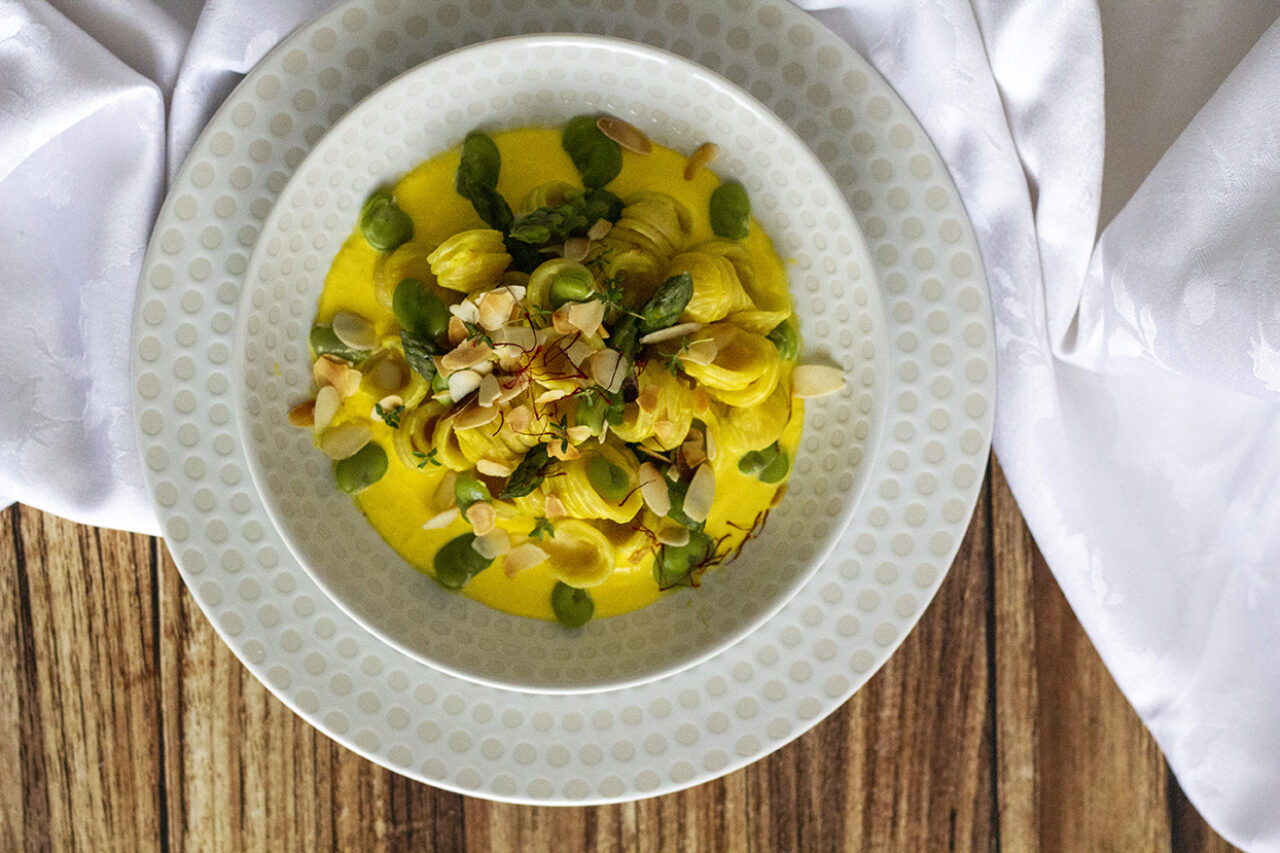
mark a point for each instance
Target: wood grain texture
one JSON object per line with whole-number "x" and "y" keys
{"x": 127, "y": 725}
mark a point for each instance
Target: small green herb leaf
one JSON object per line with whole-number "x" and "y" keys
{"x": 730, "y": 211}
{"x": 542, "y": 527}
{"x": 428, "y": 458}
{"x": 597, "y": 158}
{"x": 390, "y": 417}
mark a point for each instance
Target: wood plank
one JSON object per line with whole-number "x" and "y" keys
{"x": 84, "y": 686}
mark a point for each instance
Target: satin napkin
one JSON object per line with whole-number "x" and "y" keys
{"x": 1121, "y": 165}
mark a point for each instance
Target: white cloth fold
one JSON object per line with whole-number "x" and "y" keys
{"x": 1138, "y": 411}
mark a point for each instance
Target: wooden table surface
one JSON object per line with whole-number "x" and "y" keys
{"x": 126, "y": 725}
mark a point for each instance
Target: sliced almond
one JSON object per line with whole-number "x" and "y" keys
{"x": 457, "y": 331}
{"x": 700, "y": 159}
{"x": 465, "y": 354}
{"x": 327, "y": 402}
{"x": 693, "y": 449}
{"x": 520, "y": 419}
{"x": 521, "y": 558}
{"x": 587, "y": 316}
{"x": 554, "y": 507}
{"x": 551, "y": 396}
{"x": 519, "y": 336}
{"x": 482, "y": 517}
{"x": 345, "y": 440}
{"x": 648, "y": 399}
{"x": 816, "y": 380}
{"x": 489, "y": 391}
{"x": 560, "y": 320}
{"x": 606, "y": 369}
{"x": 671, "y": 333}
{"x": 579, "y": 351}
{"x": 701, "y": 494}
{"x": 463, "y": 383}
{"x": 441, "y": 520}
{"x": 599, "y": 229}
{"x": 391, "y": 401}
{"x": 512, "y": 387}
{"x": 517, "y": 291}
{"x": 653, "y": 488}
{"x": 578, "y": 433}
{"x": 466, "y": 311}
{"x": 386, "y": 376}
{"x": 446, "y": 496}
{"x": 303, "y": 414}
{"x": 495, "y": 309}
{"x": 493, "y": 544}
{"x": 493, "y": 468}
{"x": 475, "y": 416}
{"x": 576, "y": 249}
{"x": 700, "y": 352}
{"x": 331, "y": 371}
{"x": 354, "y": 330}
{"x": 675, "y": 535}
{"x": 701, "y": 401}
{"x": 711, "y": 448}
{"x": 625, "y": 134}
{"x": 557, "y": 450}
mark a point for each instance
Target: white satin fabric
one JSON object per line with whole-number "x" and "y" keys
{"x": 1129, "y": 216}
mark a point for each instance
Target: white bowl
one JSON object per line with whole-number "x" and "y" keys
{"x": 544, "y": 81}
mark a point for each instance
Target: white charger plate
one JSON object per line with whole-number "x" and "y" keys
{"x": 613, "y": 745}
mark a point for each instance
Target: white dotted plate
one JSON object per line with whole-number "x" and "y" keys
{"x": 605, "y": 746}
{"x": 546, "y": 80}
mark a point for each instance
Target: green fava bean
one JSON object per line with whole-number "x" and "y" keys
{"x": 359, "y": 472}
{"x": 608, "y": 479}
{"x": 418, "y": 310}
{"x": 468, "y": 490}
{"x": 384, "y": 225}
{"x": 571, "y": 285}
{"x": 730, "y": 211}
{"x": 675, "y": 563}
{"x": 573, "y": 607}
{"x": 597, "y": 157}
{"x": 776, "y": 470}
{"x": 457, "y": 562}
{"x": 784, "y": 337}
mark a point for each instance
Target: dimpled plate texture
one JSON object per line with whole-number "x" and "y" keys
{"x": 546, "y": 80}
{"x": 605, "y": 746}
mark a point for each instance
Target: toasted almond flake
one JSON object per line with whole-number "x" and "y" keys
{"x": 674, "y": 535}
{"x": 519, "y": 336}
{"x": 586, "y": 316}
{"x": 701, "y": 494}
{"x": 489, "y": 390}
{"x": 386, "y": 376}
{"x": 557, "y": 450}
{"x": 711, "y": 448}
{"x": 482, "y": 517}
{"x": 512, "y": 387}
{"x": 520, "y": 418}
{"x": 648, "y": 399}
{"x": 700, "y": 352}
{"x": 462, "y": 383}
{"x": 495, "y": 309}
{"x": 579, "y": 351}
{"x": 466, "y": 311}
{"x": 475, "y": 416}
{"x": 576, "y": 249}
{"x": 440, "y": 520}
{"x": 465, "y": 354}
{"x": 445, "y": 495}
{"x": 521, "y": 558}
{"x": 550, "y": 396}
{"x": 331, "y": 371}
{"x": 693, "y": 449}
{"x": 517, "y": 291}
{"x": 354, "y": 330}
{"x": 345, "y": 440}
{"x": 560, "y": 320}
{"x": 700, "y": 159}
{"x": 599, "y": 229}
{"x": 625, "y": 134}
{"x": 391, "y": 401}
{"x": 606, "y": 369}
{"x": 493, "y": 544}
{"x": 664, "y": 431}
{"x": 671, "y": 333}
{"x": 304, "y": 414}
{"x": 816, "y": 380}
{"x": 493, "y": 468}
{"x": 578, "y": 433}
{"x": 653, "y": 488}
{"x": 457, "y": 331}
{"x": 554, "y": 507}
{"x": 701, "y": 401}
